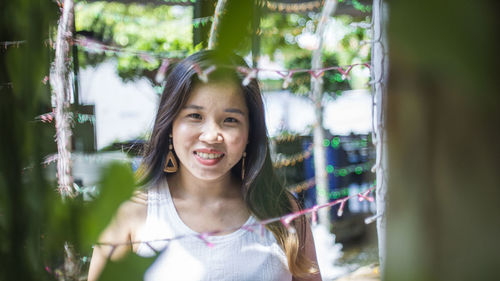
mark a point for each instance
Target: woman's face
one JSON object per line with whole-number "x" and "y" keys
{"x": 211, "y": 131}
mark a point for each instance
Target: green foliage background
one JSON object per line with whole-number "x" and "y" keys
{"x": 23, "y": 190}
{"x": 160, "y": 31}
{"x": 35, "y": 223}
{"x": 333, "y": 82}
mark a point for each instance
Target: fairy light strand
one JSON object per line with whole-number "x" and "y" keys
{"x": 286, "y": 138}
{"x": 251, "y": 73}
{"x": 310, "y": 183}
{"x": 335, "y": 142}
{"x": 6, "y": 44}
{"x": 298, "y": 187}
{"x": 342, "y": 172}
{"x": 286, "y": 220}
{"x": 302, "y": 186}
{"x": 294, "y": 7}
{"x": 285, "y": 161}
{"x": 73, "y": 116}
{"x": 92, "y": 45}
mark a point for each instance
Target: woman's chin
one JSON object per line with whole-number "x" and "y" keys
{"x": 211, "y": 175}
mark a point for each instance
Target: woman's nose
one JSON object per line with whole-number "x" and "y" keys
{"x": 211, "y": 134}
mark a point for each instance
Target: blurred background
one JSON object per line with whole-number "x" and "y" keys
{"x": 441, "y": 116}
{"x": 123, "y": 49}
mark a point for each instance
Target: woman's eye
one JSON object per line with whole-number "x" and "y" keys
{"x": 194, "y": 116}
{"x": 231, "y": 120}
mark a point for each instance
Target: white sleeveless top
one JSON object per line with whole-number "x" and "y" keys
{"x": 240, "y": 255}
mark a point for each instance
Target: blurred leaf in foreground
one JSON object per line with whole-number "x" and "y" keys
{"x": 132, "y": 267}
{"x": 117, "y": 185}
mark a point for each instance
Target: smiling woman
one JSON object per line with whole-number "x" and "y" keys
{"x": 210, "y": 133}
{"x": 207, "y": 169}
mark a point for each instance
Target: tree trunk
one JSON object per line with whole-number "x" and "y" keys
{"x": 443, "y": 129}
{"x": 321, "y": 176}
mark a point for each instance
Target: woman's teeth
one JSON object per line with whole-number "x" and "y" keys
{"x": 209, "y": 155}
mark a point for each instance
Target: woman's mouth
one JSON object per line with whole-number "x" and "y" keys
{"x": 208, "y": 158}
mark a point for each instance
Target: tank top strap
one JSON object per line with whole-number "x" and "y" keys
{"x": 157, "y": 228}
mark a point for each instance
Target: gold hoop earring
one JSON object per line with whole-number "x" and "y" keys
{"x": 170, "y": 162}
{"x": 243, "y": 165}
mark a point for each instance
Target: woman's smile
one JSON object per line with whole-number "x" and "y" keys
{"x": 210, "y": 133}
{"x": 208, "y": 157}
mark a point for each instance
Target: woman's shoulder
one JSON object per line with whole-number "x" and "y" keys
{"x": 129, "y": 217}
{"x": 140, "y": 197}
{"x": 134, "y": 208}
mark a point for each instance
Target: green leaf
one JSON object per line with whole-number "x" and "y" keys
{"x": 132, "y": 267}
{"x": 117, "y": 185}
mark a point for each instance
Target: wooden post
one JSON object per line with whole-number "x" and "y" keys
{"x": 443, "y": 130}
{"x": 321, "y": 176}
{"x": 62, "y": 91}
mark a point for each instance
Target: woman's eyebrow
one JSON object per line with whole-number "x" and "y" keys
{"x": 234, "y": 110}
{"x": 192, "y": 106}
{"x": 229, "y": 110}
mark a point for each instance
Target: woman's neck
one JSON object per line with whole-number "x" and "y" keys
{"x": 184, "y": 185}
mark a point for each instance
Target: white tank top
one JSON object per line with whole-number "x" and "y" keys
{"x": 240, "y": 255}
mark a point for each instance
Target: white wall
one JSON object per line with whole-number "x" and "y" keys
{"x": 125, "y": 111}
{"x": 351, "y": 112}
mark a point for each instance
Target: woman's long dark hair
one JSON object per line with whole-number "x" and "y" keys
{"x": 263, "y": 193}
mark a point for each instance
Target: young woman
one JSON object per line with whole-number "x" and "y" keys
{"x": 207, "y": 169}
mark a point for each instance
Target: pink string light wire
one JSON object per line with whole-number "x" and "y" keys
{"x": 286, "y": 220}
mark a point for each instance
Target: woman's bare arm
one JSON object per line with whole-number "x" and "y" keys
{"x": 310, "y": 252}
{"x": 308, "y": 247}
{"x": 129, "y": 217}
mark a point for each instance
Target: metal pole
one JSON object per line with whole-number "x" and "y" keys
{"x": 379, "y": 78}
